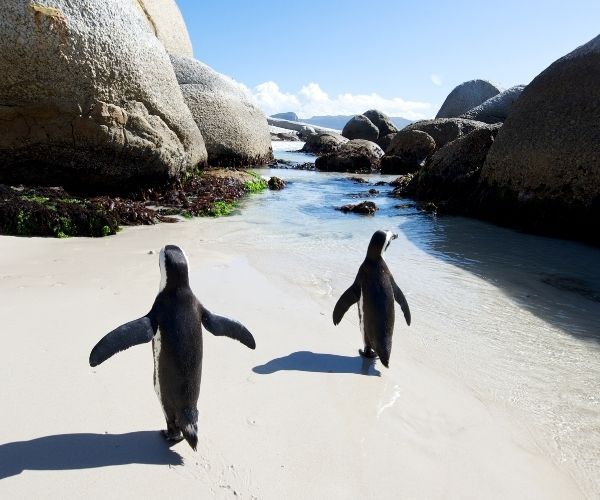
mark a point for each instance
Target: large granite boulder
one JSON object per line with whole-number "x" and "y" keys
{"x": 323, "y": 143}
{"x": 497, "y": 108}
{"x": 466, "y": 96}
{"x": 234, "y": 129}
{"x": 89, "y": 99}
{"x": 445, "y": 130}
{"x": 165, "y": 20}
{"x": 452, "y": 174}
{"x": 360, "y": 127}
{"x": 357, "y": 155}
{"x": 544, "y": 167}
{"x": 408, "y": 151}
{"x": 381, "y": 121}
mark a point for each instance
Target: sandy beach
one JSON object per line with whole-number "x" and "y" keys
{"x": 300, "y": 417}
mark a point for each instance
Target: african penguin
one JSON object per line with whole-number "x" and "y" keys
{"x": 375, "y": 291}
{"x": 174, "y": 324}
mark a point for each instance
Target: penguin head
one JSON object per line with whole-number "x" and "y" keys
{"x": 173, "y": 267}
{"x": 380, "y": 241}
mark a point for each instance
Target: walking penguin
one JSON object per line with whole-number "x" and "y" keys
{"x": 375, "y": 291}
{"x": 174, "y": 324}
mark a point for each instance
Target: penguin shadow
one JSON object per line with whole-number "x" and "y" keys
{"x": 85, "y": 451}
{"x": 306, "y": 361}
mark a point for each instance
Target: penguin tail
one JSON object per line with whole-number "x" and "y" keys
{"x": 189, "y": 429}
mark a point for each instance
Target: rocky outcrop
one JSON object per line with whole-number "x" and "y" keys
{"x": 323, "y": 143}
{"x": 288, "y": 115}
{"x": 452, "y": 174}
{"x": 445, "y": 130}
{"x": 497, "y": 108}
{"x": 381, "y": 121}
{"x": 234, "y": 129}
{"x": 89, "y": 99}
{"x": 357, "y": 155}
{"x": 166, "y": 22}
{"x": 543, "y": 170}
{"x": 364, "y": 208}
{"x": 466, "y": 96}
{"x": 284, "y": 136}
{"x": 360, "y": 127}
{"x": 408, "y": 151}
{"x": 298, "y": 127}
{"x": 385, "y": 141}
{"x": 276, "y": 184}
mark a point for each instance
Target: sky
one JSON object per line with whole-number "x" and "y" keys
{"x": 323, "y": 57}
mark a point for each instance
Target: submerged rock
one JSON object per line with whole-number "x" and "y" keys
{"x": 276, "y": 184}
{"x": 497, "y": 108}
{"x": 89, "y": 99}
{"x": 235, "y": 131}
{"x": 364, "y": 208}
{"x": 466, "y": 96}
{"x": 356, "y": 156}
{"x": 360, "y": 127}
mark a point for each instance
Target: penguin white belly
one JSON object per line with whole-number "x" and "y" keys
{"x": 156, "y": 346}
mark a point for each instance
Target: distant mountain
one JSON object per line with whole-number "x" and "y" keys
{"x": 337, "y": 121}
{"x": 289, "y": 115}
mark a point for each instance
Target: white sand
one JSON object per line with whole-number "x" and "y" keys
{"x": 292, "y": 430}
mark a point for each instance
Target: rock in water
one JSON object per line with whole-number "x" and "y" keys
{"x": 357, "y": 156}
{"x": 497, "y": 108}
{"x": 323, "y": 143}
{"x": 360, "y": 127}
{"x": 364, "y": 208}
{"x": 381, "y": 121}
{"x": 89, "y": 99}
{"x": 408, "y": 150}
{"x": 544, "y": 167}
{"x": 168, "y": 25}
{"x": 466, "y": 96}
{"x": 234, "y": 129}
{"x": 276, "y": 184}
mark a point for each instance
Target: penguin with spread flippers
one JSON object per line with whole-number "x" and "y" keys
{"x": 174, "y": 324}
{"x": 375, "y": 291}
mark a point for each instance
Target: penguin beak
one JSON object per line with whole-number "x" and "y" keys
{"x": 394, "y": 236}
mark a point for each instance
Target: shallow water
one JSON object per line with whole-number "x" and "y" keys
{"x": 515, "y": 316}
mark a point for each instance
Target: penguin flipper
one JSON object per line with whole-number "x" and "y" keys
{"x": 133, "y": 333}
{"x": 401, "y": 299}
{"x": 222, "y": 326}
{"x": 349, "y": 297}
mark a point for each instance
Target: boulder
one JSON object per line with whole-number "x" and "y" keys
{"x": 466, "y": 96}
{"x": 288, "y": 115}
{"x": 323, "y": 143}
{"x": 544, "y": 167}
{"x": 384, "y": 141}
{"x": 360, "y": 127}
{"x": 166, "y": 22}
{"x": 495, "y": 109}
{"x": 452, "y": 174}
{"x": 276, "y": 184}
{"x": 234, "y": 129}
{"x": 381, "y": 121}
{"x": 285, "y": 136}
{"x": 89, "y": 99}
{"x": 363, "y": 208}
{"x": 407, "y": 152}
{"x": 298, "y": 127}
{"x": 445, "y": 130}
{"x": 355, "y": 156}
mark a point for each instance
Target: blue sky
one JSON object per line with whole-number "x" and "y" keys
{"x": 338, "y": 56}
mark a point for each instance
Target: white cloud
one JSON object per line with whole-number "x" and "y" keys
{"x": 312, "y": 100}
{"x": 436, "y": 79}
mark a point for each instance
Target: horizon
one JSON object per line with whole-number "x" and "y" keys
{"x": 314, "y": 66}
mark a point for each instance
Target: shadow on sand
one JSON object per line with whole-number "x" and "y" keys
{"x": 85, "y": 451}
{"x": 306, "y": 361}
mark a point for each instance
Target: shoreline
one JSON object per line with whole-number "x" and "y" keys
{"x": 261, "y": 433}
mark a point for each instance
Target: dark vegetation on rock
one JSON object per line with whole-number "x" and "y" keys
{"x": 364, "y": 208}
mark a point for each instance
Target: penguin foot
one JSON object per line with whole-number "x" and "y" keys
{"x": 172, "y": 437}
{"x": 367, "y": 352}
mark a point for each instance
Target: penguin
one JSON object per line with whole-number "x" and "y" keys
{"x": 174, "y": 324}
{"x": 375, "y": 291}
